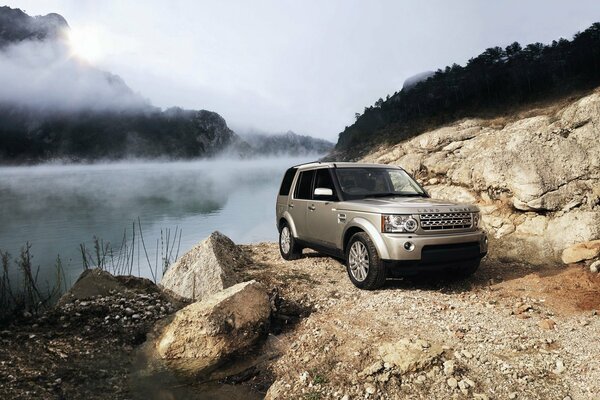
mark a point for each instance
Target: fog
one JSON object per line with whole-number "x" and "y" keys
{"x": 305, "y": 66}
{"x": 44, "y": 75}
{"x": 57, "y": 207}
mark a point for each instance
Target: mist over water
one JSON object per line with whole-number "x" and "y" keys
{"x": 57, "y": 207}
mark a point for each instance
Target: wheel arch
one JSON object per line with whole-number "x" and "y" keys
{"x": 363, "y": 225}
{"x": 287, "y": 218}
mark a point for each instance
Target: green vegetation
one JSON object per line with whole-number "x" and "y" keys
{"x": 493, "y": 83}
{"x": 312, "y": 395}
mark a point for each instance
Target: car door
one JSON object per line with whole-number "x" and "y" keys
{"x": 298, "y": 205}
{"x": 321, "y": 219}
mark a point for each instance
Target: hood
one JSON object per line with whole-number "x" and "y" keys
{"x": 405, "y": 205}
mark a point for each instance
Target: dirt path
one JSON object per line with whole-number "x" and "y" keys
{"x": 509, "y": 332}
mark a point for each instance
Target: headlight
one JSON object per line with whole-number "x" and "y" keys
{"x": 476, "y": 219}
{"x": 398, "y": 223}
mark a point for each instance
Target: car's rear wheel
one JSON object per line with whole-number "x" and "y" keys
{"x": 289, "y": 249}
{"x": 365, "y": 268}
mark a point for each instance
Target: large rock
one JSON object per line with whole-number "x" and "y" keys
{"x": 541, "y": 173}
{"x": 206, "y": 333}
{"x": 207, "y": 268}
{"x": 581, "y": 251}
{"x": 409, "y": 356}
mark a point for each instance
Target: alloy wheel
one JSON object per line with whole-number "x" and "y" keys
{"x": 358, "y": 260}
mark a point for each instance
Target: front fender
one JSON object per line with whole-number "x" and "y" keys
{"x": 372, "y": 231}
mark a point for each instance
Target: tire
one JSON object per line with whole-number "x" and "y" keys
{"x": 359, "y": 248}
{"x": 289, "y": 249}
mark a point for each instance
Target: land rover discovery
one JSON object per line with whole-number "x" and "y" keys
{"x": 379, "y": 220}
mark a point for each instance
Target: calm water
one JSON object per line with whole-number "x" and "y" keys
{"x": 57, "y": 207}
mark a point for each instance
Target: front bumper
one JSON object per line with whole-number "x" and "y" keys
{"x": 434, "y": 244}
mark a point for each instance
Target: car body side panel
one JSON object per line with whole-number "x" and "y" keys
{"x": 321, "y": 221}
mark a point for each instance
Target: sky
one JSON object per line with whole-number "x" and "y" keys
{"x": 306, "y": 66}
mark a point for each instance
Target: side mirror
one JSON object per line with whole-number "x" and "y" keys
{"x": 323, "y": 192}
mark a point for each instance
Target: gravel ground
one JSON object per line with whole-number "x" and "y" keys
{"x": 80, "y": 349}
{"x": 511, "y": 331}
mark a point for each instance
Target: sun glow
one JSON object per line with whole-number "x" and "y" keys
{"x": 87, "y": 43}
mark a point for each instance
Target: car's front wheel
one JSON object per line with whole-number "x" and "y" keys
{"x": 289, "y": 249}
{"x": 365, "y": 268}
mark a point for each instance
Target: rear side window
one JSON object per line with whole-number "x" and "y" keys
{"x": 304, "y": 186}
{"x": 286, "y": 184}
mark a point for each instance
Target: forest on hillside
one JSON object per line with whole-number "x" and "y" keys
{"x": 493, "y": 83}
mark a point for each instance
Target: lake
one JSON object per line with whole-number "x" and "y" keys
{"x": 58, "y": 207}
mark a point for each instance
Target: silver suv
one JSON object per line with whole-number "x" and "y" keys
{"x": 379, "y": 220}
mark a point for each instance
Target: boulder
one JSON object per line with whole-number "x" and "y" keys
{"x": 206, "y": 333}
{"x": 581, "y": 251}
{"x": 207, "y": 268}
{"x": 409, "y": 356}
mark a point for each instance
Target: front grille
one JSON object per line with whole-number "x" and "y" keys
{"x": 445, "y": 221}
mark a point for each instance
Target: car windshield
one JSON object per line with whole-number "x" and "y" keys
{"x": 361, "y": 182}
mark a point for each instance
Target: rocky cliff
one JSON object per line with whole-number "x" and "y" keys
{"x": 536, "y": 177}
{"x": 55, "y": 106}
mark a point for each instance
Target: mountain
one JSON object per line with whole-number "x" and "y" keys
{"x": 498, "y": 82}
{"x": 54, "y": 106}
{"x": 288, "y": 143}
{"x": 17, "y": 26}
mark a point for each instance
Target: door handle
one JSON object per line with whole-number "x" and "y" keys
{"x": 290, "y": 205}
{"x": 312, "y": 208}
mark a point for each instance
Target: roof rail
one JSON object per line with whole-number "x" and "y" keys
{"x": 306, "y": 163}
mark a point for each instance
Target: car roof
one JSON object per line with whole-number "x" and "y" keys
{"x": 329, "y": 164}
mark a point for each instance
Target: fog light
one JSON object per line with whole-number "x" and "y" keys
{"x": 409, "y": 246}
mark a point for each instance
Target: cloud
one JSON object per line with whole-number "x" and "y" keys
{"x": 45, "y": 75}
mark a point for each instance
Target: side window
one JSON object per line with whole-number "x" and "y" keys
{"x": 304, "y": 186}
{"x": 286, "y": 184}
{"x": 323, "y": 180}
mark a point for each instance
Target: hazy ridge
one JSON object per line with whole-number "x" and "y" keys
{"x": 54, "y": 106}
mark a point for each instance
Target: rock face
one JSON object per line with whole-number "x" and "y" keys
{"x": 581, "y": 251}
{"x": 204, "y": 270}
{"x": 537, "y": 179}
{"x": 204, "y": 334}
